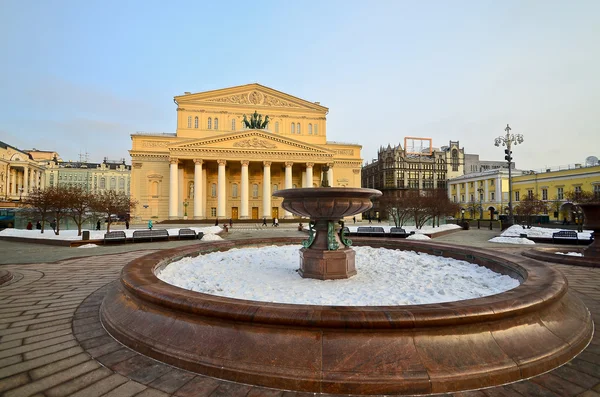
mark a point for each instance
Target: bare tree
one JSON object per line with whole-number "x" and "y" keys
{"x": 80, "y": 206}
{"x": 531, "y": 205}
{"x": 440, "y": 205}
{"x": 473, "y": 207}
{"x": 39, "y": 203}
{"x": 60, "y": 201}
{"x": 556, "y": 204}
{"x": 419, "y": 207}
{"x": 396, "y": 207}
{"x": 111, "y": 202}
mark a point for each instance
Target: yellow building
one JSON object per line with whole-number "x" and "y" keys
{"x": 19, "y": 173}
{"x": 552, "y": 186}
{"x": 215, "y": 167}
{"x": 483, "y": 195}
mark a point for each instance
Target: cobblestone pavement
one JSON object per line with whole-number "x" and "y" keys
{"x": 52, "y": 342}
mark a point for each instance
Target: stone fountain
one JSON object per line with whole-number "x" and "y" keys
{"x": 327, "y": 254}
{"x": 416, "y": 349}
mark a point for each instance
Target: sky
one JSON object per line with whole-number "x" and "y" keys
{"x": 81, "y": 76}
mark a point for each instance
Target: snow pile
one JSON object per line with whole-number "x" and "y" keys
{"x": 418, "y": 236}
{"x": 385, "y": 277}
{"x": 542, "y": 232}
{"x": 211, "y": 237}
{"x": 569, "y": 253}
{"x": 71, "y": 235}
{"x": 511, "y": 240}
{"x": 88, "y": 246}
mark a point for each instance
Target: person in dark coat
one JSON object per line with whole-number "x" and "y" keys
{"x": 230, "y": 222}
{"x": 29, "y": 226}
{"x": 38, "y": 225}
{"x": 98, "y": 225}
{"x": 127, "y": 224}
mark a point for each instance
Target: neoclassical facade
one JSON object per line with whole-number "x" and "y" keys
{"x": 214, "y": 167}
{"x": 19, "y": 173}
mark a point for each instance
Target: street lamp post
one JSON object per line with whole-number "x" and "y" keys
{"x": 462, "y": 212}
{"x": 508, "y": 140}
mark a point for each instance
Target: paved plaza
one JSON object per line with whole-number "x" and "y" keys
{"x": 53, "y": 344}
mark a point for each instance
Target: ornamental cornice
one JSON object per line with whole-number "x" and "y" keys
{"x": 222, "y": 162}
{"x": 279, "y": 156}
{"x": 267, "y": 163}
{"x": 289, "y": 163}
{"x": 348, "y": 164}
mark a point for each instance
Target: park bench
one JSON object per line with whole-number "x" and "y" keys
{"x": 399, "y": 232}
{"x": 151, "y": 235}
{"x": 118, "y": 236}
{"x": 565, "y": 235}
{"x": 370, "y": 231}
{"x": 187, "y": 233}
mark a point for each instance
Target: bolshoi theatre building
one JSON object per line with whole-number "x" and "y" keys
{"x": 232, "y": 149}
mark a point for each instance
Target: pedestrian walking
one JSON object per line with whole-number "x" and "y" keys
{"x": 150, "y": 224}
{"x": 127, "y": 224}
{"x": 217, "y": 222}
{"x": 53, "y": 225}
{"x": 230, "y": 222}
{"x": 354, "y": 219}
{"x": 276, "y": 222}
{"x": 38, "y": 225}
{"x": 98, "y": 225}
{"x": 264, "y": 221}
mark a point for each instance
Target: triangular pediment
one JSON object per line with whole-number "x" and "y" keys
{"x": 250, "y": 95}
{"x": 250, "y": 140}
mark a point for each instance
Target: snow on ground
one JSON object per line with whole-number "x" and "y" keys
{"x": 385, "y": 277}
{"x": 71, "y": 235}
{"x": 211, "y": 237}
{"x": 511, "y": 240}
{"x": 569, "y": 253}
{"x": 424, "y": 230}
{"x": 517, "y": 230}
{"x": 88, "y": 246}
{"x": 418, "y": 236}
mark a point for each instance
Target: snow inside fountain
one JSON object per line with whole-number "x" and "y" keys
{"x": 385, "y": 277}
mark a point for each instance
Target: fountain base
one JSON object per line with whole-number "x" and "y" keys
{"x": 327, "y": 265}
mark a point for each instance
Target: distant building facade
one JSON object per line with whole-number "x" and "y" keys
{"x": 473, "y": 164}
{"x": 19, "y": 173}
{"x": 395, "y": 171}
{"x": 91, "y": 177}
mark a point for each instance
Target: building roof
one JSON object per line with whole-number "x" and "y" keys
{"x": 6, "y": 146}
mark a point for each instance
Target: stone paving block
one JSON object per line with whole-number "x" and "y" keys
{"x": 4, "y": 326}
{"x": 10, "y": 345}
{"x": 50, "y": 349}
{"x": 580, "y": 365}
{"x": 38, "y": 362}
{"x": 4, "y": 320}
{"x": 589, "y": 356}
{"x": 132, "y": 364}
{"x": 474, "y": 393}
{"x": 199, "y": 386}
{"x": 78, "y": 383}
{"x": 152, "y": 393}
{"x": 528, "y": 388}
{"x": 172, "y": 381}
{"x": 501, "y": 391}
{"x": 66, "y": 320}
{"x": 101, "y": 387}
{"x": 83, "y": 321}
{"x": 262, "y": 392}
{"x": 39, "y": 322}
{"x": 28, "y": 334}
{"x": 148, "y": 374}
{"x": 59, "y": 365}
{"x": 14, "y": 381}
{"x": 97, "y": 341}
{"x": 13, "y": 330}
{"x": 4, "y": 362}
{"x": 128, "y": 389}
{"x": 50, "y": 335}
{"x": 19, "y": 348}
{"x": 50, "y": 381}
{"x": 104, "y": 349}
{"x": 579, "y": 378}
{"x": 49, "y": 313}
{"x": 589, "y": 393}
{"x": 88, "y": 327}
{"x": 229, "y": 389}
{"x": 116, "y": 357}
{"x": 90, "y": 334}
{"x": 558, "y": 385}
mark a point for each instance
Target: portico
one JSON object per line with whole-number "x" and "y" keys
{"x": 216, "y": 167}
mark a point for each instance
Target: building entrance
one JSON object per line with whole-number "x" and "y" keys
{"x": 254, "y": 212}
{"x": 234, "y": 212}
{"x": 275, "y": 212}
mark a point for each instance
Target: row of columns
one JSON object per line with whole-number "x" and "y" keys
{"x": 486, "y": 195}
{"x": 221, "y": 187}
{"x": 29, "y": 180}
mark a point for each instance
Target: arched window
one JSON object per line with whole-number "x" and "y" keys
{"x": 189, "y": 121}
{"x": 216, "y": 123}
{"x": 196, "y": 122}
{"x": 277, "y": 126}
{"x": 213, "y": 190}
{"x": 255, "y": 190}
{"x": 234, "y": 190}
{"x": 122, "y": 184}
{"x": 209, "y": 123}
{"x": 309, "y": 129}
{"x": 113, "y": 183}
{"x": 298, "y": 128}
{"x": 102, "y": 183}
{"x": 275, "y": 188}
{"x": 154, "y": 188}
{"x": 293, "y": 130}
{"x": 232, "y": 124}
{"x": 454, "y": 160}
{"x": 316, "y": 129}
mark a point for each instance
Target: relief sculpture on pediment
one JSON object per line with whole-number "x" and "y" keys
{"x": 276, "y": 102}
{"x": 241, "y": 99}
{"x": 255, "y": 143}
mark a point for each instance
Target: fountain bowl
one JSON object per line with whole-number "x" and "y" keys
{"x": 327, "y": 203}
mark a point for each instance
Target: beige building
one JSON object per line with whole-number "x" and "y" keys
{"x": 19, "y": 173}
{"x": 215, "y": 167}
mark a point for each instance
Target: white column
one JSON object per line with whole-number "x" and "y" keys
{"x": 467, "y": 198}
{"x": 15, "y": 179}
{"x": 8, "y": 180}
{"x": 205, "y": 195}
{"x": 309, "y": 174}
{"x": 303, "y": 184}
{"x": 267, "y": 189}
{"x": 181, "y": 194}
{"x": 449, "y": 187}
{"x": 198, "y": 189}
{"x": 245, "y": 190}
{"x": 330, "y": 174}
{"x": 25, "y": 180}
{"x": 43, "y": 180}
{"x": 486, "y": 190}
{"x": 173, "y": 179}
{"x": 288, "y": 184}
{"x": 221, "y": 189}
{"x": 498, "y": 190}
